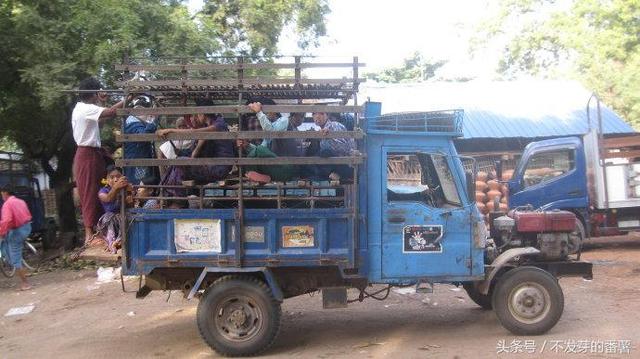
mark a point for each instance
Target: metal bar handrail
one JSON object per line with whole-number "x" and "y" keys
{"x": 190, "y": 110}
{"x": 260, "y": 187}
{"x": 163, "y": 91}
{"x": 244, "y": 161}
{"x": 252, "y": 198}
{"x": 240, "y": 135}
{"x": 265, "y": 81}
{"x": 234, "y": 66}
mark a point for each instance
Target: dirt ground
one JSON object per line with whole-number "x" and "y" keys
{"x": 76, "y": 318}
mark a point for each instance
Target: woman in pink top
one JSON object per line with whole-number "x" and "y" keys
{"x": 15, "y": 227}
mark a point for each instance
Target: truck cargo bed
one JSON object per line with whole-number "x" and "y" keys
{"x": 207, "y": 237}
{"x": 615, "y": 182}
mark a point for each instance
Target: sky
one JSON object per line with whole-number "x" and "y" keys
{"x": 383, "y": 33}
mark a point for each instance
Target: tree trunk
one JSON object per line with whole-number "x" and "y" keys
{"x": 65, "y": 206}
{"x": 61, "y": 182}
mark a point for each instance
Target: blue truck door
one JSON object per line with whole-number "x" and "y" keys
{"x": 551, "y": 172}
{"x": 426, "y": 229}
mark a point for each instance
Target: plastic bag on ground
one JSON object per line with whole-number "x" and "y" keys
{"x": 108, "y": 274}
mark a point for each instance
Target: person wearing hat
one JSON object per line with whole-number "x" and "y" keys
{"x": 139, "y": 125}
{"x": 88, "y": 162}
{"x": 15, "y": 227}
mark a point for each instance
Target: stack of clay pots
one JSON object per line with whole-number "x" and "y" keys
{"x": 488, "y": 188}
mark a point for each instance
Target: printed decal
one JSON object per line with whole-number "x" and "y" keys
{"x": 254, "y": 234}
{"x": 197, "y": 235}
{"x": 297, "y": 236}
{"x": 422, "y": 239}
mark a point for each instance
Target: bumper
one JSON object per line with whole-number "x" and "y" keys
{"x": 567, "y": 268}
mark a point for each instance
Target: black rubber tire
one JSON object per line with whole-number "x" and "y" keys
{"x": 238, "y": 286}
{"x": 509, "y": 283}
{"x": 6, "y": 268}
{"x": 483, "y": 300}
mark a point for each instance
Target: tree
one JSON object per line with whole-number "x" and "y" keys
{"x": 414, "y": 69}
{"x": 253, "y": 27}
{"x": 7, "y": 145}
{"x": 594, "y": 41}
{"x": 49, "y": 46}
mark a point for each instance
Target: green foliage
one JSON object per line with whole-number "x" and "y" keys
{"x": 7, "y": 145}
{"x": 414, "y": 69}
{"x": 253, "y": 27}
{"x": 594, "y": 41}
{"x": 50, "y": 45}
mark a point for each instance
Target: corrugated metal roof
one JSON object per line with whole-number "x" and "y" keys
{"x": 503, "y": 109}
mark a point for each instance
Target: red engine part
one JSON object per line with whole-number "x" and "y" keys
{"x": 539, "y": 222}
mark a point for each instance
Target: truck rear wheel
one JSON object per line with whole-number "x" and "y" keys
{"x": 238, "y": 316}
{"x": 528, "y": 301}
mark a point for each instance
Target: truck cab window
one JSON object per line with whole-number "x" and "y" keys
{"x": 419, "y": 177}
{"x": 545, "y": 166}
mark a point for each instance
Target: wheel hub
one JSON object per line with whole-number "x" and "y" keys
{"x": 529, "y": 302}
{"x": 238, "y": 317}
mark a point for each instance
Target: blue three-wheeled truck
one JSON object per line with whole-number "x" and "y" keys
{"x": 405, "y": 217}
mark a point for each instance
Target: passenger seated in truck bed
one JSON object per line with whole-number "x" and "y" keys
{"x": 263, "y": 173}
{"x": 273, "y": 121}
{"x": 249, "y": 122}
{"x": 205, "y": 149}
{"x": 346, "y": 119}
{"x": 211, "y": 148}
{"x": 331, "y": 147}
{"x": 109, "y": 224}
{"x": 176, "y": 148}
{"x": 143, "y": 194}
{"x": 172, "y": 149}
{"x": 137, "y": 125}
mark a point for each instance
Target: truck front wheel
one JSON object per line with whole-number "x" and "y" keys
{"x": 528, "y": 301}
{"x": 238, "y": 316}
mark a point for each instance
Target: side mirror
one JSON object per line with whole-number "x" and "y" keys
{"x": 471, "y": 186}
{"x": 470, "y": 170}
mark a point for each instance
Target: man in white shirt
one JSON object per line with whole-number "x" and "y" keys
{"x": 88, "y": 163}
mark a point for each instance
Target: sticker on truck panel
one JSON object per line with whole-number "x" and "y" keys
{"x": 197, "y": 235}
{"x": 254, "y": 234}
{"x": 297, "y": 236}
{"x": 422, "y": 239}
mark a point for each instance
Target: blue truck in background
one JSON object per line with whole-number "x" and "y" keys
{"x": 596, "y": 178}
{"x": 20, "y": 173}
{"x": 406, "y": 218}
